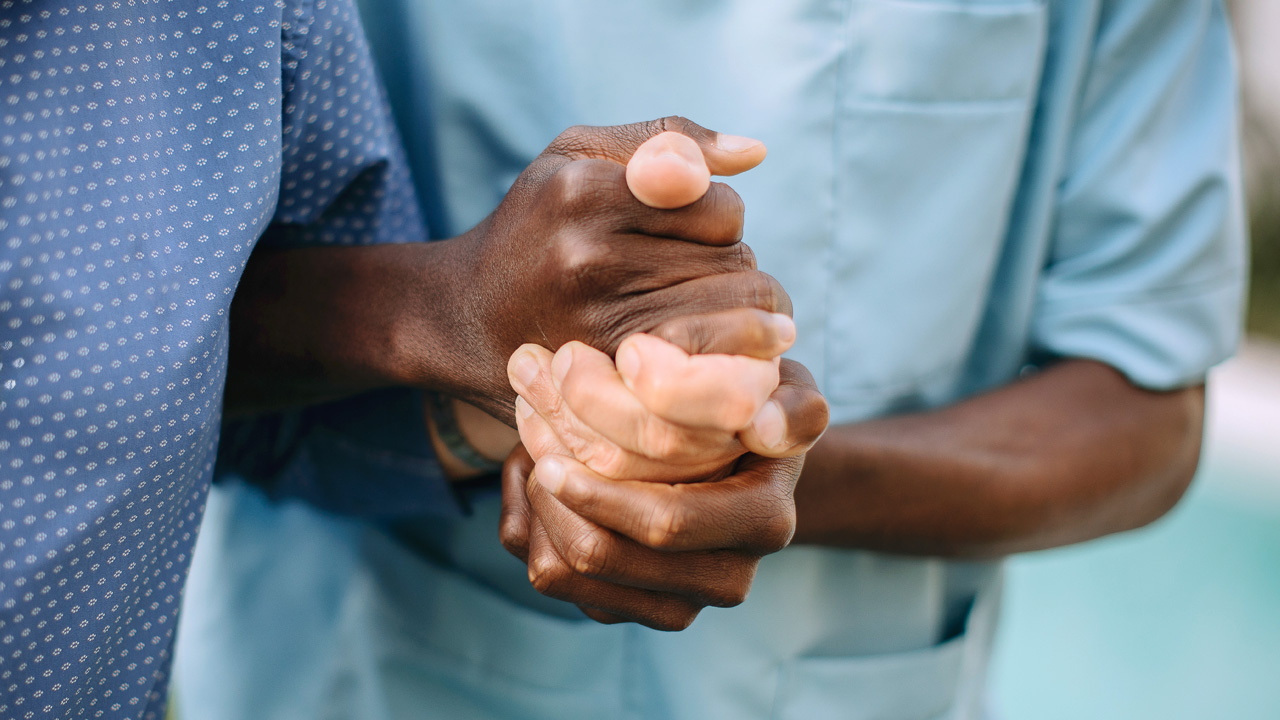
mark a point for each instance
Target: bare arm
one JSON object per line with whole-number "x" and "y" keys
{"x": 1070, "y": 454}
{"x": 314, "y": 324}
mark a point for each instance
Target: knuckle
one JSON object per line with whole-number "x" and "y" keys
{"x": 682, "y": 124}
{"x": 673, "y": 619}
{"x": 680, "y": 333}
{"x": 547, "y": 574}
{"x": 693, "y": 334}
{"x": 573, "y": 139}
{"x": 587, "y": 553}
{"x": 731, "y": 211}
{"x": 820, "y": 411}
{"x": 776, "y": 531}
{"x": 746, "y": 256}
{"x": 668, "y": 525}
{"x": 758, "y": 290}
{"x": 579, "y": 257}
{"x": 605, "y": 458}
{"x": 672, "y": 123}
{"x": 513, "y": 541}
{"x": 729, "y": 595}
{"x": 571, "y": 185}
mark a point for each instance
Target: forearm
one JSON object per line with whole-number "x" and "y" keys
{"x": 1071, "y": 454}
{"x": 314, "y": 324}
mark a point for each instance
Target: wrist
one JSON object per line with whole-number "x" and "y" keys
{"x": 440, "y": 328}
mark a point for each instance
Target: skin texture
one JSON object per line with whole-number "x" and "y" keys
{"x": 636, "y": 510}
{"x": 997, "y": 474}
{"x": 568, "y": 255}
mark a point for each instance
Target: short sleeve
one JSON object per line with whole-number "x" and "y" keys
{"x": 344, "y": 178}
{"x": 1146, "y": 269}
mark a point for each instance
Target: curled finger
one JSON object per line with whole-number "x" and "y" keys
{"x": 741, "y": 331}
{"x": 793, "y": 419}
{"x": 719, "y": 578}
{"x": 552, "y": 576}
{"x": 752, "y": 510}
{"x": 714, "y": 392}
{"x": 514, "y": 521}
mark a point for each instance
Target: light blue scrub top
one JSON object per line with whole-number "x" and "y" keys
{"x": 954, "y": 188}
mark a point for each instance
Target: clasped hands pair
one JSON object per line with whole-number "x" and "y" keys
{"x": 649, "y": 484}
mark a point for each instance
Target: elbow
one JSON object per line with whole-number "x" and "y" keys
{"x": 1172, "y": 461}
{"x": 1142, "y": 473}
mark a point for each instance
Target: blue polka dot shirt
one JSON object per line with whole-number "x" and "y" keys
{"x": 146, "y": 148}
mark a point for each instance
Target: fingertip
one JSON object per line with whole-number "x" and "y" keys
{"x": 737, "y": 154}
{"x": 550, "y": 473}
{"x": 770, "y": 426}
{"x": 785, "y": 327}
{"x": 628, "y": 362}
{"x": 562, "y": 361}
{"x": 522, "y": 369}
{"x": 524, "y": 410}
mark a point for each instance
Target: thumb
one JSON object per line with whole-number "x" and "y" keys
{"x": 668, "y": 171}
{"x": 724, "y": 154}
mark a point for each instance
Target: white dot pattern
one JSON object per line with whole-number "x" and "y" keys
{"x": 145, "y": 146}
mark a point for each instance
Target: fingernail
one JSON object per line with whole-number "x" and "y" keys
{"x": 550, "y": 475}
{"x": 525, "y": 368}
{"x": 786, "y": 327}
{"x": 560, "y": 364}
{"x": 523, "y": 408}
{"x": 771, "y": 426}
{"x": 628, "y": 362}
{"x": 735, "y": 143}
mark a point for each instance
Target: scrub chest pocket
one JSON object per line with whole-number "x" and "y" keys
{"x": 934, "y": 104}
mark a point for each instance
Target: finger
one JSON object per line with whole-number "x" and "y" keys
{"x": 601, "y": 616}
{"x": 716, "y": 293}
{"x": 714, "y": 392}
{"x": 551, "y": 575}
{"x": 718, "y": 578}
{"x": 655, "y": 450}
{"x": 598, "y": 189}
{"x": 668, "y": 171}
{"x": 591, "y": 389}
{"x": 536, "y": 434}
{"x": 725, "y": 154}
{"x": 551, "y": 426}
{"x": 793, "y": 419}
{"x": 752, "y": 510}
{"x": 744, "y": 331}
{"x": 514, "y": 521}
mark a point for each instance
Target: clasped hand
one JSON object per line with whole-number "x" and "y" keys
{"x": 648, "y": 489}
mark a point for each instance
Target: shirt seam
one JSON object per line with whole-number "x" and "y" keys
{"x": 1186, "y": 291}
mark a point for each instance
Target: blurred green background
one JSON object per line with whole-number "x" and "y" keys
{"x": 1264, "y": 289}
{"x": 1181, "y": 620}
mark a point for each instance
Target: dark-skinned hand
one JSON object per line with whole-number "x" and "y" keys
{"x": 571, "y": 254}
